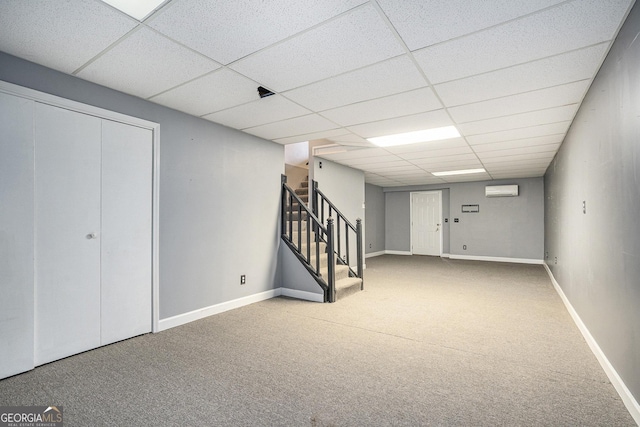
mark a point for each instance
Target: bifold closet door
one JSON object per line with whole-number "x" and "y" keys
{"x": 67, "y": 232}
{"x": 93, "y": 238}
{"x": 126, "y": 231}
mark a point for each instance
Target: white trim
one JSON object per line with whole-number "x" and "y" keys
{"x": 398, "y": 253}
{"x": 305, "y": 295}
{"x": 625, "y": 394}
{"x": 79, "y": 107}
{"x": 445, "y": 256}
{"x": 373, "y": 254}
{"x": 497, "y": 259}
{"x": 184, "y": 318}
{"x": 56, "y": 101}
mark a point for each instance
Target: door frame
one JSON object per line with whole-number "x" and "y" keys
{"x": 56, "y": 101}
{"x": 439, "y": 192}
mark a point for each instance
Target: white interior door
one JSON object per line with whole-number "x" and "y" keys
{"x": 126, "y": 231}
{"x": 426, "y": 223}
{"x": 67, "y": 233}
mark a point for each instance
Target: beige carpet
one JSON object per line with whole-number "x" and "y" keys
{"x": 429, "y": 342}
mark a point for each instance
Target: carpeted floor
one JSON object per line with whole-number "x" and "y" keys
{"x": 429, "y": 342}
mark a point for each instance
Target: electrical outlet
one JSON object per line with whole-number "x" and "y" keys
{"x": 464, "y": 247}
{"x": 243, "y": 279}
{"x": 370, "y": 245}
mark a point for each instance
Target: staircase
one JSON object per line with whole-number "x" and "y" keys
{"x": 310, "y": 241}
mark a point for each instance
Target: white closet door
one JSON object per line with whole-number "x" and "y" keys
{"x": 67, "y": 233}
{"x": 16, "y": 235}
{"x": 126, "y": 231}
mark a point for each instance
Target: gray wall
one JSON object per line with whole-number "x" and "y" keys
{"x": 344, "y": 186}
{"x": 397, "y": 217}
{"x": 374, "y": 219}
{"x": 509, "y": 227}
{"x": 598, "y": 253}
{"x": 293, "y": 275}
{"x": 219, "y": 195}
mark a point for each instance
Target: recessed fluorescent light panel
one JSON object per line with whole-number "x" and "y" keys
{"x": 460, "y": 172}
{"x": 435, "y": 134}
{"x": 138, "y": 9}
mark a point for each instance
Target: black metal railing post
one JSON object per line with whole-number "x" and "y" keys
{"x": 283, "y": 205}
{"x": 331, "y": 262}
{"x": 359, "y": 251}
{"x": 314, "y": 198}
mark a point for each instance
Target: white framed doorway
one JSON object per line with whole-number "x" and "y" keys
{"x": 426, "y": 223}
{"x": 85, "y": 183}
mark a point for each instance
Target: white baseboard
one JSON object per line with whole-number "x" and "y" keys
{"x": 372, "y": 254}
{"x": 497, "y": 259}
{"x": 625, "y": 394}
{"x": 398, "y": 253}
{"x": 445, "y": 256}
{"x": 181, "y": 319}
{"x": 308, "y": 296}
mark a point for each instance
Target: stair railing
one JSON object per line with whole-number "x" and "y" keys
{"x": 321, "y": 207}
{"x": 293, "y": 206}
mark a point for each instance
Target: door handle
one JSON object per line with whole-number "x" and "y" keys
{"x": 92, "y": 236}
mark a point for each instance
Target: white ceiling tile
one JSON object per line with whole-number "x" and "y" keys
{"x": 432, "y": 119}
{"x": 467, "y": 178}
{"x": 356, "y": 39}
{"x": 569, "y": 67}
{"x": 431, "y": 154}
{"x": 292, "y": 127}
{"x": 532, "y": 174}
{"x": 309, "y": 136}
{"x": 570, "y": 93}
{"x": 532, "y": 118}
{"x": 385, "y": 78}
{"x": 221, "y": 89}
{"x": 397, "y": 174}
{"x": 533, "y": 157}
{"x": 423, "y": 181}
{"x": 402, "y": 170}
{"x": 376, "y": 167}
{"x": 372, "y": 160}
{"x": 242, "y": 26}
{"x": 145, "y": 63}
{"x": 428, "y": 146}
{"x": 350, "y": 139}
{"x": 63, "y": 35}
{"x": 423, "y": 23}
{"x": 520, "y": 143}
{"x": 510, "y": 169}
{"x": 402, "y": 104}
{"x": 270, "y": 109}
{"x": 546, "y": 148}
{"x": 518, "y": 165}
{"x": 566, "y": 27}
{"x": 455, "y": 162}
{"x": 508, "y": 135}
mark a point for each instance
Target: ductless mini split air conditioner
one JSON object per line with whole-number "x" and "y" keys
{"x": 501, "y": 190}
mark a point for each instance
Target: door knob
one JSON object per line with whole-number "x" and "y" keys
{"x": 91, "y": 236}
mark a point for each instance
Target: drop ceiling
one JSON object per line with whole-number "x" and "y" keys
{"x": 510, "y": 75}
